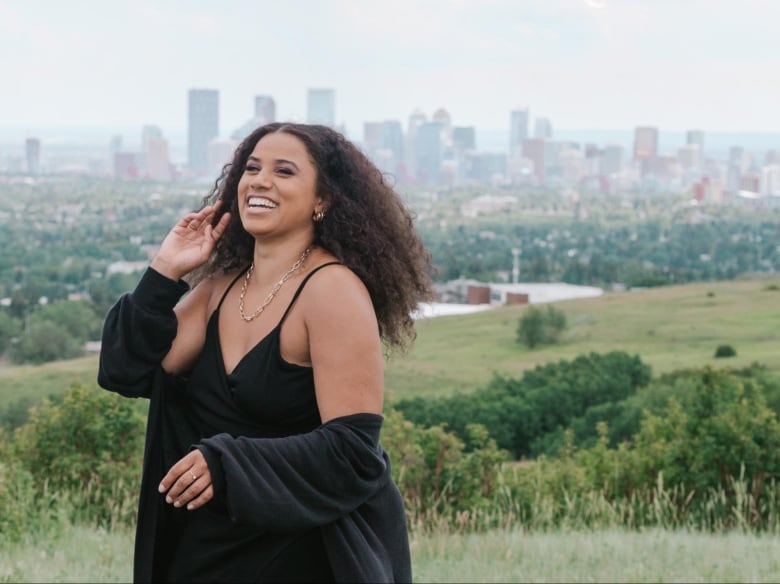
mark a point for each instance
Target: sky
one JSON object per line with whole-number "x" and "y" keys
{"x": 612, "y": 64}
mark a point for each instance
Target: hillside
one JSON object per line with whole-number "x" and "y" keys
{"x": 670, "y": 328}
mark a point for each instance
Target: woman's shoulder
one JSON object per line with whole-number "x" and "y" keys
{"x": 334, "y": 288}
{"x": 215, "y": 286}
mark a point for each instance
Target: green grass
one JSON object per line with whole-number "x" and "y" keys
{"x": 670, "y": 328}
{"x": 600, "y": 556}
{"x": 39, "y": 381}
{"x": 81, "y": 554}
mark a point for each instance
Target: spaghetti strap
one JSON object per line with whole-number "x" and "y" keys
{"x": 302, "y": 284}
{"x": 225, "y": 293}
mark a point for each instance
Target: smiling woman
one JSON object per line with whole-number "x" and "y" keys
{"x": 263, "y": 460}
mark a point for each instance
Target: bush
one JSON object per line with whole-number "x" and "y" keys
{"x": 45, "y": 341}
{"x": 540, "y": 327}
{"x": 724, "y": 351}
{"x": 87, "y": 447}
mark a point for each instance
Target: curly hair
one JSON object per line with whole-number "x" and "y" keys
{"x": 367, "y": 227}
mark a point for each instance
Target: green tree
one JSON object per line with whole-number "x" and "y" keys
{"x": 45, "y": 341}
{"x": 9, "y": 328}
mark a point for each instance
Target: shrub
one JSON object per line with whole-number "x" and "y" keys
{"x": 540, "y": 327}
{"x": 89, "y": 447}
{"x": 724, "y": 351}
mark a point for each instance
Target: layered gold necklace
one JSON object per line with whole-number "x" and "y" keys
{"x": 272, "y": 294}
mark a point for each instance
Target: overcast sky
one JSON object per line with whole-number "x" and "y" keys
{"x": 677, "y": 64}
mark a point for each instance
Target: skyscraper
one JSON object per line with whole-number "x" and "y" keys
{"x": 543, "y": 128}
{"x": 645, "y": 142}
{"x": 428, "y": 152}
{"x": 202, "y": 128}
{"x": 321, "y": 107}
{"x": 696, "y": 137}
{"x": 518, "y": 130}
{"x": 265, "y": 109}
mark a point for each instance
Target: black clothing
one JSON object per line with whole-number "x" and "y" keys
{"x": 294, "y": 498}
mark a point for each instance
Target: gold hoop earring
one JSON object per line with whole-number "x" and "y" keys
{"x": 318, "y": 216}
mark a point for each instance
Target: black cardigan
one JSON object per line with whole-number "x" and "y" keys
{"x": 336, "y": 477}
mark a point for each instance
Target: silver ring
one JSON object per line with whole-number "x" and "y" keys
{"x": 194, "y": 476}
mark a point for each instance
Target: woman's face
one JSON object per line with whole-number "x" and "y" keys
{"x": 277, "y": 190}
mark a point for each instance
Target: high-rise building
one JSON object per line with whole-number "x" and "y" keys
{"x": 543, "y": 128}
{"x": 443, "y": 117}
{"x": 428, "y": 150}
{"x": 392, "y": 138}
{"x": 372, "y": 136}
{"x": 265, "y": 109}
{"x": 612, "y": 163}
{"x": 202, "y": 128}
{"x": 32, "y": 150}
{"x": 149, "y": 132}
{"x": 464, "y": 138}
{"x": 646, "y": 149}
{"x": 645, "y": 142}
{"x": 696, "y": 137}
{"x": 518, "y": 130}
{"x": 321, "y": 107}
{"x": 689, "y": 156}
{"x": 416, "y": 119}
{"x": 533, "y": 150}
{"x": 158, "y": 164}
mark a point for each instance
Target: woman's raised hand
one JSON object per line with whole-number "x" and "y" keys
{"x": 190, "y": 243}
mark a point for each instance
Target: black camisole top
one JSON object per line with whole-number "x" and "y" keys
{"x": 263, "y": 397}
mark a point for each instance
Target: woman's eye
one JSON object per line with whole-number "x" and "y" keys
{"x": 285, "y": 171}
{"x": 251, "y": 168}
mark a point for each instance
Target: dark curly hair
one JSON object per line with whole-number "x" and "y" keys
{"x": 366, "y": 226}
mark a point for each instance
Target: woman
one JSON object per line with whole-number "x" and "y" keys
{"x": 262, "y": 460}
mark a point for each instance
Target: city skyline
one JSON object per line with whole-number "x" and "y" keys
{"x": 581, "y": 63}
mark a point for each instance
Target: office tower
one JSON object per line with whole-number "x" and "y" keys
{"x": 265, "y": 109}
{"x": 612, "y": 162}
{"x": 392, "y": 138}
{"x": 533, "y": 150}
{"x": 543, "y": 128}
{"x": 689, "y": 156}
{"x": 769, "y": 181}
{"x": 645, "y": 143}
{"x": 32, "y": 149}
{"x": 158, "y": 164}
{"x": 443, "y": 117}
{"x": 202, "y": 128}
{"x": 646, "y": 149}
{"x": 321, "y": 107}
{"x": 416, "y": 119}
{"x": 372, "y": 136}
{"x": 464, "y": 138}
{"x": 518, "y": 130}
{"x": 696, "y": 137}
{"x": 126, "y": 165}
{"x": 149, "y": 132}
{"x": 428, "y": 152}
{"x": 737, "y": 165}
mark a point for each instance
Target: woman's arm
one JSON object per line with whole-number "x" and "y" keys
{"x": 150, "y": 326}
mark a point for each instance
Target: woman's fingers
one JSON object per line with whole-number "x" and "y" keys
{"x": 188, "y": 479}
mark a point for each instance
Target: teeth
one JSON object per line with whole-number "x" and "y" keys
{"x": 261, "y": 202}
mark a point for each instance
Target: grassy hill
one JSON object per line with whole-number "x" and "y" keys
{"x": 670, "y": 328}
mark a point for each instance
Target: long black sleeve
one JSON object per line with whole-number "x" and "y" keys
{"x": 137, "y": 334}
{"x": 302, "y": 481}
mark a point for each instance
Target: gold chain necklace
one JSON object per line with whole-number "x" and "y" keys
{"x": 272, "y": 294}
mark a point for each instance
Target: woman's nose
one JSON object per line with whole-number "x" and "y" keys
{"x": 261, "y": 179}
